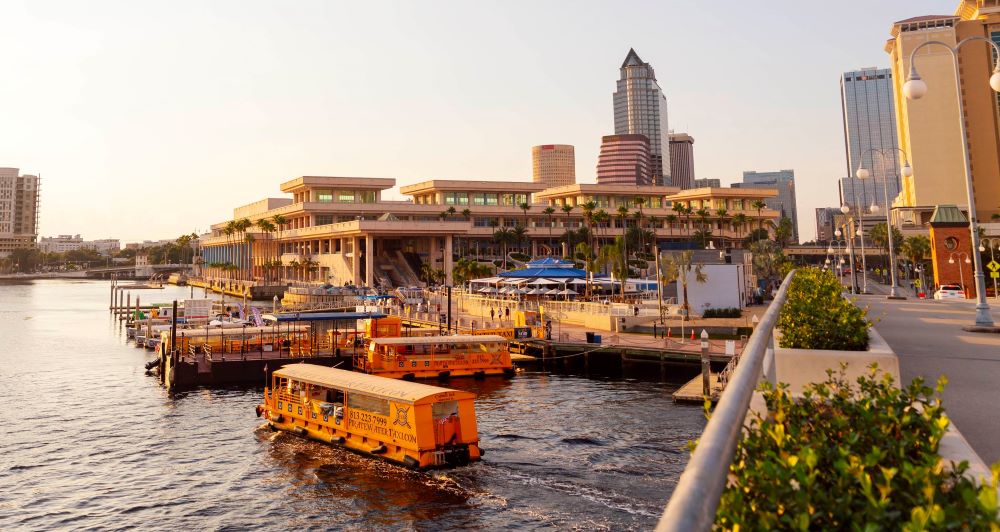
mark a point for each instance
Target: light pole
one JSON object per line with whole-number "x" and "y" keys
{"x": 992, "y": 244}
{"x": 850, "y": 256}
{"x": 951, "y": 260}
{"x": 863, "y": 173}
{"x": 841, "y": 244}
{"x": 914, "y": 89}
{"x": 860, "y": 233}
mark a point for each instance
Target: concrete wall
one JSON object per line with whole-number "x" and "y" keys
{"x": 724, "y": 288}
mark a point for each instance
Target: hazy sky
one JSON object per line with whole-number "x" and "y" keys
{"x": 151, "y": 119}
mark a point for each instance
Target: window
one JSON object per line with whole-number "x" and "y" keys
{"x": 368, "y": 403}
{"x": 324, "y": 196}
{"x": 366, "y": 196}
{"x": 324, "y": 219}
{"x": 345, "y": 196}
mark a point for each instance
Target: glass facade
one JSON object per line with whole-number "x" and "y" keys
{"x": 784, "y": 182}
{"x": 869, "y": 115}
{"x": 641, "y": 108}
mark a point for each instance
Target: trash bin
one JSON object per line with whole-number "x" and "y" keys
{"x": 590, "y": 337}
{"x": 597, "y": 339}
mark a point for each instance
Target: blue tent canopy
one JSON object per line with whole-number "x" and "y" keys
{"x": 550, "y": 262}
{"x": 550, "y": 273}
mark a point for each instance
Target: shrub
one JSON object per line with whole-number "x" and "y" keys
{"x": 520, "y": 256}
{"x": 722, "y": 313}
{"x": 847, "y": 457}
{"x": 637, "y": 263}
{"x": 817, "y": 316}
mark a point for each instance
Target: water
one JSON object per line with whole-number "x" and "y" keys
{"x": 89, "y": 441}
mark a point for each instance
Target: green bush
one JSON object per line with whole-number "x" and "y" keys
{"x": 847, "y": 457}
{"x": 722, "y": 313}
{"x": 520, "y": 256}
{"x": 817, "y": 316}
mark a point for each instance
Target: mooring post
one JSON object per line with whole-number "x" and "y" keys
{"x": 128, "y": 306}
{"x": 706, "y": 368}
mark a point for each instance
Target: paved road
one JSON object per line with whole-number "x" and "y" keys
{"x": 927, "y": 337}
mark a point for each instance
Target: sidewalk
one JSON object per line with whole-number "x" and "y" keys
{"x": 927, "y": 337}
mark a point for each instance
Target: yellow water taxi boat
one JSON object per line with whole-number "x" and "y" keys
{"x": 411, "y": 424}
{"x": 436, "y": 357}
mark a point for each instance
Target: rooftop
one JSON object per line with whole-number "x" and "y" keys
{"x": 368, "y": 183}
{"x": 465, "y": 185}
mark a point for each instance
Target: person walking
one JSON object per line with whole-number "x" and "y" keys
{"x": 493, "y": 314}
{"x": 506, "y": 311}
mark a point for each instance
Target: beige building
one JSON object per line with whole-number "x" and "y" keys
{"x": 553, "y": 165}
{"x": 682, "y": 160}
{"x": 18, "y": 210}
{"x": 339, "y": 230}
{"x": 928, "y": 128}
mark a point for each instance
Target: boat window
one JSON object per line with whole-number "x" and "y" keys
{"x": 334, "y": 396}
{"x": 368, "y": 403}
{"x": 444, "y": 409}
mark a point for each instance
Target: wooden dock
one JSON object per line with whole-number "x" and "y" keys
{"x": 692, "y": 391}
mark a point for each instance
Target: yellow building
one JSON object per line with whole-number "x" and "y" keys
{"x": 553, "y": 165}
{"x": 928, "y": 128}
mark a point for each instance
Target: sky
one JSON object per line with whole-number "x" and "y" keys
{"x": 147, "y": 120}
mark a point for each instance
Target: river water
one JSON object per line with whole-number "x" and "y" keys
{"x": 90, "y": 442}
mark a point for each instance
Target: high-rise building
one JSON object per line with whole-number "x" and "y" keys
{"x": 708, "y": 182}
{"x": 641, "y": 109}
{"x": 784, "y": 182}
{"x": 624, "y": 160}
{"x": 682, "y": 160}
{"x": 928, "y": 128}
{"x": 869, "y": 115}
{"x": 553, "y": 165}
{"x": 18, "y": 210}
{"x": 826, "y": 223}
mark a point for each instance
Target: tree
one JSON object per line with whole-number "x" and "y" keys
{"x": 548, "y": 212}
{"x": 585, "y": 253}
{"x": 768, "y": 259}
{"x": 880, "y": 237}
{"x": 520, "y": 236}
{"x": 615, "y": 256}
{"x": 783, "y": 234}
{"x": 467, "y": 214}
{"x": 723, "y": 215}
{"x": 524, "y": 206}
{"x": 740, "y": 221}
{"x": 703, "y": 215}
{"x": 670, "y": 219}
{"x": 759, "y": 205}
{"x": 601, "y": 217}
{"x": 267, "y": 227}
{"x": 677, "y": 267}
{"x": 915, "y": 248}
{"x": 503, "y": 236}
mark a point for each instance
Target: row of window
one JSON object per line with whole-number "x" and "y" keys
{"x": 484, "y": 198}
{"x": 344, "y": 196}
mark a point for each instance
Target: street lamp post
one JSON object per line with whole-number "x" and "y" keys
{"x": 861, "y": 234}
{"x": 850, "y": 255}
{"x": 841, "y": 244}
{"x": 992, "y": 244}
{"x": 961, "y": 275}
{"x": 863, "y": 173}
{"x": 914, "y": 89}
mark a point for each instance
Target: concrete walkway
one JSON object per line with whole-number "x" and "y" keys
{"x": 927, "y": 337}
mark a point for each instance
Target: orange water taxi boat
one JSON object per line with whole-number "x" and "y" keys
{"x": 414, "y": 425}
{"x": 432, "y": 357}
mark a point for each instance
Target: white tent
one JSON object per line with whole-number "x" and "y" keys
{"x": 487, "y": 290}
{"x": 487, "y": 280}
{"x": 541, "y": 281}
{"x": 567, "y": 292}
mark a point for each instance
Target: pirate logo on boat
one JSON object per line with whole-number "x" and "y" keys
{"x": 402, "y": 414}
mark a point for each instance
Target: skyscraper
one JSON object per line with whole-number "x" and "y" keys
{"x": 18, "y": 210}
{"x": 624, "y": 160}
{"x": 866, "y": 192}
{"x": 641, "y": 109}
{"x": 553, "y": 165}
{"x": 784, "y": 202}
{"x": 682, "y": 160}
{"x": 929, "y": 128}
{"x": 869, "y": 115}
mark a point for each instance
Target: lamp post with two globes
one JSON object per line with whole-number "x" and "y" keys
{"x": 863, "y": 173}
{"x": 914, "y": 89}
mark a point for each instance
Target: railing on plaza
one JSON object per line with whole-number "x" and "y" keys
{"x": 695, "y": 499}
{"x": 553, "y": 306}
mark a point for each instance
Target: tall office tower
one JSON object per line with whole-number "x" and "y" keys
{"x": 18, "y": 210}
{"x": 641, "y": 109}
{"x": 928, "y": 128}
{"x": 624, "y": 160}
{"x": 869, "y": 115}
{"x": 682, "y": 160}
{"x": 708, "y": 182}
{"x": 553, "y": 165}
{"x": 826, "y": 223}
{"x": 784, "y": 182}
{"x": 868, "y": 192}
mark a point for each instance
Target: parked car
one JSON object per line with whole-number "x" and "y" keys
{"x": 949, "y": 291}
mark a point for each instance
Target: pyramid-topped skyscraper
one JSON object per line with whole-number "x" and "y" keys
{"x": 641, "y": 108}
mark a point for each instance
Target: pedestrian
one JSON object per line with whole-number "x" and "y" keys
{"x": 493, "y": 314}
{"x": 506, "y": 312}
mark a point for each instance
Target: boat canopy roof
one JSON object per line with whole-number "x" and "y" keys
{"x": 422, "y": 340}
{"x": 395, "y": 389}
{"x": 324, "y": 316}
{"x": 230, "y": 332}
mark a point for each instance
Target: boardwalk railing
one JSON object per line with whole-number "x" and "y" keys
{"x": 695, "y": 499}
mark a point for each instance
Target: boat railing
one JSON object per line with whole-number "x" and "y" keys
{"x": 694, "y": 501}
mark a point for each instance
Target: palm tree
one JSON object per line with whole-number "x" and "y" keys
{"x": 703, "y": 215}
{"x": 229, "y": 230}
{"x": 584, "y": 249}
{"x": 677, "y": 266}
{"x": 548, "y": 212}
{"x": 451, "y": 210}
{"x": 524, "y": 206}
{"x": 520, "y": 236}
{"x": 723, "y": 214}
{"x": 615, "y": 255}
{"x": 916, "y": 249}
{"x": 623, "y": 217}
{"x": 601, "y": 217}
{"x": 503, "y": 237}
{"x": 740, "y": 221}
{"x": 670, "y": 219}
{"x": 759, "y": 205}
{"x": 267, "y": 228}
{"x": 653, "y": 222}
{"x": 467, "y": 214}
